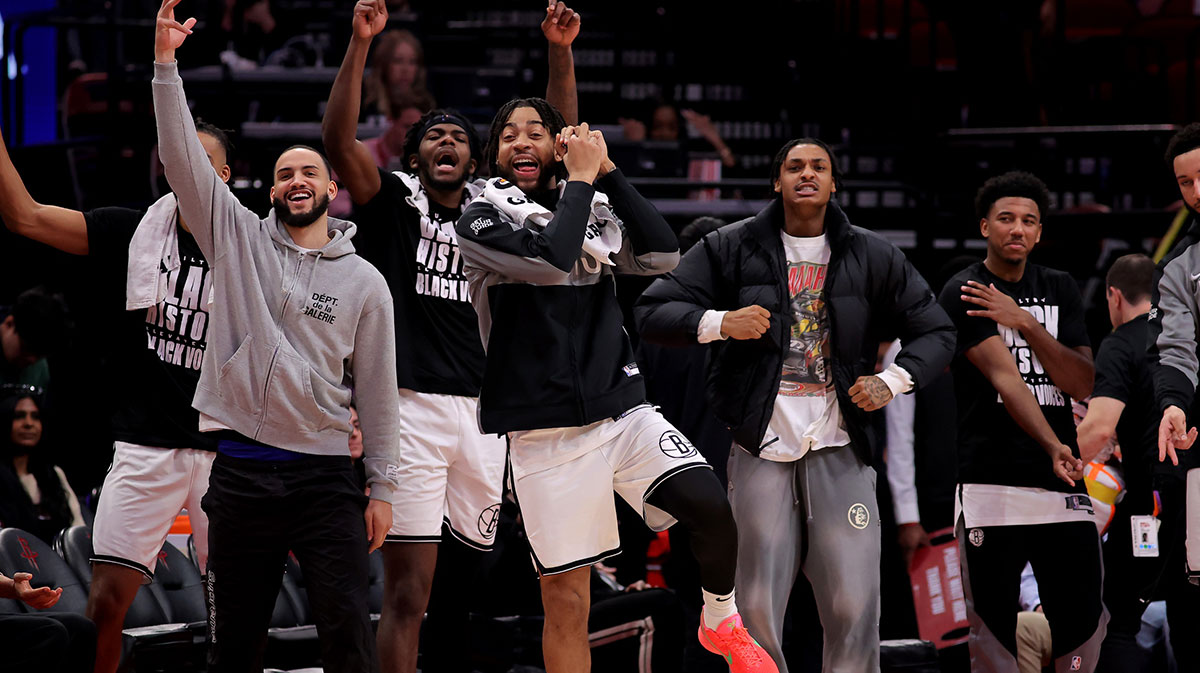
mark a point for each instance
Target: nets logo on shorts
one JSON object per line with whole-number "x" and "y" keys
{"x": 676, "y": 445}
{"x": 489, "y": 520}
{"x": 1076, "y": 663}
{"x": 859, "y": 515}
{"x": 976, "y": 536}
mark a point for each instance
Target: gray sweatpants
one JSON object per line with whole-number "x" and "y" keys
{"x": 817, "y": 514}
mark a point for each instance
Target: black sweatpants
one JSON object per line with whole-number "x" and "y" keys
{"x": 53, "y": 642}
{"x": 1066, "y": 562}
{"x": 257, "y": 512}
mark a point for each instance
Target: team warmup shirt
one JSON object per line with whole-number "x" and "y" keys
{"x": 1123, "y": 374}
{"x": 438, "y": 349}
{"x": 806, "y": 414}
{"x": 154, "y": 355}
{"x": 992, "y": 448}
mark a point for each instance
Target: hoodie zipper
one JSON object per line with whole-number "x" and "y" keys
{"x": 278, "y": 342}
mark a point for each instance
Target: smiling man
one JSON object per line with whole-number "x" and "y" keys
{"x": 300, "y": 326}
{"x": 449, "y": 470}
{"x": 1023, "y": 354}
{"x": 542, "y": 245}
{"x": 795, "y": 302}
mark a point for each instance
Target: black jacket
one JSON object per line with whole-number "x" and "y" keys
{"x": 557, "y": 352}
{"x": 872, "y": 293}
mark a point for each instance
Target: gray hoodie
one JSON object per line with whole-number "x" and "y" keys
{"x": 293, "y": 330}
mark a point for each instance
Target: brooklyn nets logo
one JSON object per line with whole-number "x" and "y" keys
{"x": 676, "y": 445}
{"x": 489, "y": 519}
{"x": 859, "y": 515}
{"x": 976, "y": 536}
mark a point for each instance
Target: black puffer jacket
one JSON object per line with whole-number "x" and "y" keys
{"x": 872, "y": 293}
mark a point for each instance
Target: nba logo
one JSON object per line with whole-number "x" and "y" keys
{"x": 1076, "y": 663}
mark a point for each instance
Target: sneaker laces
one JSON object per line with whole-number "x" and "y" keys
{"x": 743, "y": 646}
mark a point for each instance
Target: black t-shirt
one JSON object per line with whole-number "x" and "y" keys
{"x": 438, "y": 349}
{"x": 992, "y": 448}
{"x": 154, "y": 355}
{"x": 1123, "y": 372}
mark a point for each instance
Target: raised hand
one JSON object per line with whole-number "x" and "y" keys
{"x": 746, "y": 323}
{"x": 584, "y": 154}
{"x": 561, "y": 25}
{"x": 870, "y": 393}
{"x": 169, "y": 34}
{"x": 370, "y": 18}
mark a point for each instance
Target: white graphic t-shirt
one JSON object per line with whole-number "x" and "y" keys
{"x": 806, "y": 415}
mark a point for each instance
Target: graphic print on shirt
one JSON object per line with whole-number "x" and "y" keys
{"x": 805, "y": 371}
{"x": 177, "y": 327}
{"x": 1032, "y": 371}
{"x": 439, "y": 264}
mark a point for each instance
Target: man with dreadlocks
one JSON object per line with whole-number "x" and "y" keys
{"x": 448, "y": 469}
{"x": 542, "y": 245}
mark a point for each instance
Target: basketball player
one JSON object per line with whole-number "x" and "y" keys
{"x": 542, "y": 245}
{"x": 1022, "y": 355}
{"x": 795, "y": 301}
{"x": 298, "y": 319}
{"x": 448, "y": 469}
{"x": 153, "y": 282}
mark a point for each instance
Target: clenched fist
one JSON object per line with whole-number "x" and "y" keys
{"x": 746, "y": 323}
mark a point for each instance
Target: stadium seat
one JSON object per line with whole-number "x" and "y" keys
{"x": 23, "y": 552}
{"x": 74, "y": 544}
{"x": 179, "y": 584}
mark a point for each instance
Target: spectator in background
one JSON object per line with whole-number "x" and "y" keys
{"x": 45, "y": 503}
{"x": 397, "y": 74}
{"x": 387, "y": 149}
{"x": 32, "y": 328}
{"x": 59, "y": 642}
{"x": 665, "y": 124}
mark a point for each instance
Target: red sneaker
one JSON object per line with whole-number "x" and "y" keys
{"x": 732, "y": 641}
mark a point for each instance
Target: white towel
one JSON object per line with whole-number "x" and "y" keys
{"x": 603, "y": 237}
{"x": 154, "y": 245}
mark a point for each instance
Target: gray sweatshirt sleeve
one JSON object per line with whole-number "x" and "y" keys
{"x": 373, "y": 368}
{"x": 1172, "y": 346}
{"x": 205, "y": 202}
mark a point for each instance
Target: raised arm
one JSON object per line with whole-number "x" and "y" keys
{"x": 205, "y": 202}
{"x": 561, "y": 27}
{"x": 545, "y": 257}
{"x": 56, "y": 227}
{"x": 650, "y": 247}
{"x": 350, "y": 158}
{"x": 992, "y": 358}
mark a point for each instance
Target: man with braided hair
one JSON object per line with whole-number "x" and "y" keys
{"x": 449, "y": 471}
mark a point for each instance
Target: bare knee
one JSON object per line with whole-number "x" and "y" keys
{"x": 112, "y": 592}
{"x": 567, "y": 597}
{"x": 408, "y": 577}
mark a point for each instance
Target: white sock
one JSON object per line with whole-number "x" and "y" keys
{"x": 718, "y": 608}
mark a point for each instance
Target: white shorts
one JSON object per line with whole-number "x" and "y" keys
{"x": 144, "y": 491}
{"x": 448, "y": 472}
{"x": 564, "y": 480}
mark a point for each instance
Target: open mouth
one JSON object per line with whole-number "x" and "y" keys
{"x": 299, "y": 195}
{"x": 525, "y": 166}
{"x": 445, "y": 160}
{"x": 807, "y": 189}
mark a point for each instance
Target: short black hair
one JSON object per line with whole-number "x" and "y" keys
{"x": 1133, "y": 275}
{"x": 697, "y": 229}
{"x": 42, "y": 321}
{"x": 328, "y": 167}
{"x": 1013, "y": 183}
{"x": 552, "y": 119}
{"x": 781, "y": 156}
{"x": 412, "y": 139}
{"x": 220, "y": 134}
{"x": 1185, "y": 140}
